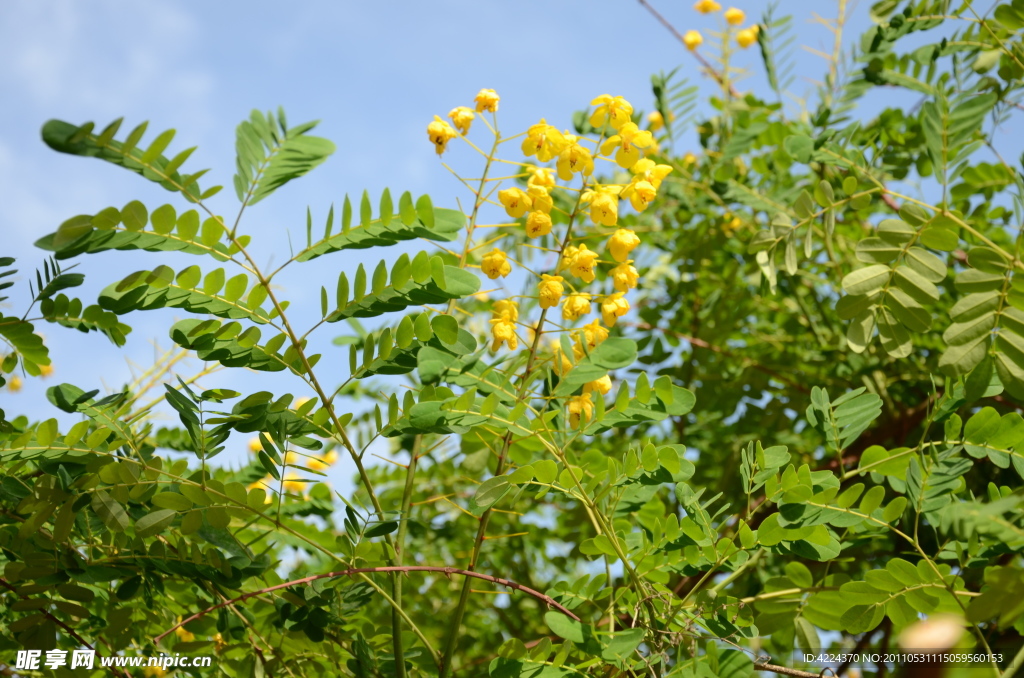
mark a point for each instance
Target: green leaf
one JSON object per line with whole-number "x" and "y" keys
{"x": 267, "y": 160}
{"x": 154, "y": 523}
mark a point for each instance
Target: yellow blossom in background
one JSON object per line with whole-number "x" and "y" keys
{"x": 440, "y": 133}
{"x": 504, "y": 332}
{"x": 255, "y": 445}
{"x": 550, "y": 290}
{"x": 506, "y": 309}
{"x": 259, "y": 484}
{"x": 538, "y": 224}
{"x": 568, "y": 254}
{"x": 292, "y": 483}
{"x": 574, "y": 159}
{"x": 582, "y": 265}
{"x": 734, "y": 16}
{"x": 541, "y": 199}
{"x": 690, "y": 158}
{"x": 543, "y": 177}
{"x": 462, "y": 117}
{"x": 544, "y": 141}
{"x": 581, "y": 408}
{"x": 621, "y": 243}
{"x": 613, "y": 308}
{"x": 610, "y": 110}
{"x": 183, "y": 635}
{"x": 593, "y": 333}
{"x": 154, "y": 672}
{"x": 299, "y": 402}
{"x": 495, "y": 264}
{"x": 487, "y": 100}
{"x": 516, "y": 201}
{"x": 640, "y": 194}
{"x": 219, "y": 643}
{"x": 602, "y": 385}
{"x": 14, "y": 384}
{"x": 575, "y": 306}
{"x": 747, "y": 37}
{"x": 627, "y": 144}
{"x": 604, "y": 208}
{"x": 624, "y": 276}
{"x": 707, "y": 6}
{"x": 692, "y": 40}
{"x": 655, "y": 121}
{"x": 323, "y": 462}
{"x": 45, "y": 371}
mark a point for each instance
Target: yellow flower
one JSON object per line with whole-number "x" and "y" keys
{"x": 440, "y": 134}
{"x": 538, "y": 224}
{"x": 574, "y": 158}
{"x": 562, "y": 362}
{"x": 624, "y": 276}
{"x": 580, "y": 409}
{"x": 640, "y": 194}
{"x": 154, "y": 671}
{"x": 568, "y": 254}
{"x": 183, "y": 635}
{"x": 610, "y": 110}
{"x": 292, "y": 483}
{"x": 604, "y": 207}
{"x": 504, "y": 332}
{"x": 734, "y": 16}
{"x": 593, "y": 333}
{"x": 621, "y": 243}
{"x": 255, "y": 445}
{"x": 462, "y": 118}
{"x": 602, "y": 385}
{"x": 45, "y": 371}
{"x": 219, "y": 643}
{"x": 614, "y": 307}
{"x": 541, "y": 199}
{"x": 707, "y": 6}
{"x": 542, "y": 177}
{"x": 627, "y": 143}
{"x": 575, "y": 306}
{"x": 747, "y": 37}
{"x": 550, "y": 290}
{"x": 516, "y": 201}
{"x": 544, "y": 141}
{"x": 689, "y": 159}
{"x": 14, "y": 384}
{"x": 495, "y": 264}
{"x": 650, "y": 171}
{"x": 583, "y": 264}
{"x": 487, "y": 100}
{"x": 692, "y": 40}
{"x": 655, "y": 121}
{"x": 324, "y": 462}
{"x": 506, "y": 309}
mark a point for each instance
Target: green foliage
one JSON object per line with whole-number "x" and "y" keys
{"x": 732, "y": 470}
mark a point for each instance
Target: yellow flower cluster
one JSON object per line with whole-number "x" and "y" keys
{"x": 292, "y": 481}
{"x": 563, "y": 157}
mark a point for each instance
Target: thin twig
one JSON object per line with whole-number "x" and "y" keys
{"x": 447, "y": 571}
{"x": 703, "y": 62}
{"x": 786, "y": 671}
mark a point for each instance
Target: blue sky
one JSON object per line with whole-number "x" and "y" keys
{"x": 373, "y": 73}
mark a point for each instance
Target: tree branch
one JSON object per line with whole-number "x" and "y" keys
{"x": 446, "y": 571}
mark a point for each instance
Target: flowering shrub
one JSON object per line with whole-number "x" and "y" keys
{"x": 673, "y": 412}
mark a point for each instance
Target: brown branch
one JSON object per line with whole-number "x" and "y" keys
{"x": 446, "y": 571}
{"x": 703, "y": 62}
{"x": 786, "y": 671}
{"x": 58, "y": 622}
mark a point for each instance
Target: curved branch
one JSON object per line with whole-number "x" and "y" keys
{"x": 446, "y": 571}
